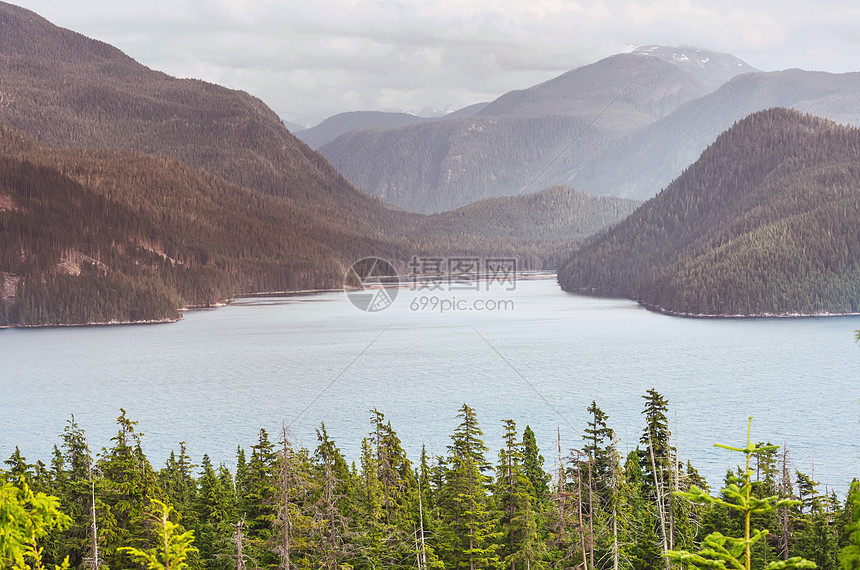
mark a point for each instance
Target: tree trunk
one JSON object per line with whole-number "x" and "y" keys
{"x": 660, "y": 512}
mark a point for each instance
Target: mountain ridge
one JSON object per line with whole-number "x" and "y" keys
{"x": 443, "y": 164}
{"x": 647, "y": 162}
{"x": 763, "y": 223}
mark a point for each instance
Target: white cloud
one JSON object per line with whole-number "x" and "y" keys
{"x": 311, "y": 59}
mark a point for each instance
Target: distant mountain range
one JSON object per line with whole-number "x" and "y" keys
{"x": 763, "y": 223}
{"x": 126, "y": 193}
{"x": 336, "y": 125}
{"x": 679, "y": 101}
{"x": 648, "y": 161}
{"x": 437, "y": 165}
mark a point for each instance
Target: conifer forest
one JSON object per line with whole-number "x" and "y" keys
{"x": 519, "y": 507}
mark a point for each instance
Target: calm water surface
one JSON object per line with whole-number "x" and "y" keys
{"x": 218, "y": 376}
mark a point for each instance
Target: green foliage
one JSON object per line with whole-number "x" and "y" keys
{"x": 25, "y": 519}
{"x": 725, "y": 552}
{"x": 311, "y": 507}
{"x": 533, "y": 467}
{"x": 175, "y": 544}
{"x": 471, "y": 527}
{"x": 849, "y": 556}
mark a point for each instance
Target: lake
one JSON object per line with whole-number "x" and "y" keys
{"x": 540, "y": 356}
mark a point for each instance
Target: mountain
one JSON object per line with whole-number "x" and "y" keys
{"x": 764, "y": 222}
{"x": 550, "y": 221}
{"x": 70, "y": 91}
{"x": 439, "y": 165}
{"x": 118, "y": 236}
{"x": 711, "y": 69}
{"x": 648, "y": 161}
{"x": 468, "y": 111}
{"x": 336, "y": 125}
{"x": 126, "y": 194}
{"x": 293, "y": 127}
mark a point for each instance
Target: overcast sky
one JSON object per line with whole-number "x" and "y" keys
{"x": 309, "y": 59}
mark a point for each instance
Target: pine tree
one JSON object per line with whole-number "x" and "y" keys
{"x": 513, "y": 494}
{"x": 466, "y": 507}
{"x": 334, "y": 488}
{"x": 720, "y": 551}
{"x": 214, "y": 514}
{"x": 656, "y": 463}
{"x": 533, "y": 467}
{"x": 75, "y": 486}
{"x": 259, "y": 503}
{"x": 128, "y": 483}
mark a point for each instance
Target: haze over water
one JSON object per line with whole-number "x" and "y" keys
{"x": 219, "y": 375}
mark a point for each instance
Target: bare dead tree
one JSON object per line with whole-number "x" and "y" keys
{"x": 239, "y": 542}
{"x": 784, "y": 492}
{"x": 660, "y": 506}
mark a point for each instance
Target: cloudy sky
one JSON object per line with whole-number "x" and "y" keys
{"x": 309, "y": 59}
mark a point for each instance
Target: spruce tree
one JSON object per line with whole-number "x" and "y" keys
{"x": 533, "y": 463}
{"x": 513, "y": 494}
{"x": 726, "y": 552}
{"x": 466, "y": 509}
{"x": 128, "y": 483}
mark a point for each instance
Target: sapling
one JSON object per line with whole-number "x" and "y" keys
{"x": 730, "y": 553}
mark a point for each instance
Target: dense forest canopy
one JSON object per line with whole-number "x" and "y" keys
{"x": 100, "y": 236}
{"x": 521, "y": 506}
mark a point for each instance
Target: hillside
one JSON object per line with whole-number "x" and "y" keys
{"x": 765, "y": 222}
{"x": 336, "y": 125}
{"x": 126, "y": 194}
{"x": 98, "y": 236}
{"x": 443, "y": 164}
{"x": 116, "y": 236}
{"x": 648, "y": 161}
{"x": 70, "y": 91}
{"x": 550, "y": 222}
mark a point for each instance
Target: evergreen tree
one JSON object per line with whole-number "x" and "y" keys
{"x": 75, "y": 486}
{"x": 533, "y": 467}
{"x": 329, "y": 520}
{"x": 259, "y": 503}
{"x": 127, "y": 484}
{"x": 513, "y": 494}
{"x": 466, "y": 503}
{"x": 720, "y": 551}
{"x": 214, "y": 514}
{"x": 849, "y": 556}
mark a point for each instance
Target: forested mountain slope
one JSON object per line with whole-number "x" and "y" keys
{"x": 438, "y": 165}
{"x": 67, "y": 90}
{"x": 126, "y": 194}
{"x": 765, "y": 222}
{"x": 99, "y": 236}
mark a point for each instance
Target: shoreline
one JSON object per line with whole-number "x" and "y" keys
{"x": 784, "y": 315}
{"x": 95, "y": 324}
{"x": 681, "y": 314}
{"x": 531, "y": 275}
